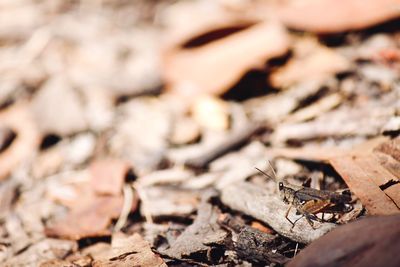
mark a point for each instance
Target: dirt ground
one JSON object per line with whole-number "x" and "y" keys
{"x": 199, "y": 133}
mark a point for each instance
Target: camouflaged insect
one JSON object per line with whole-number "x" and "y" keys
{"x": 309, "y": 201}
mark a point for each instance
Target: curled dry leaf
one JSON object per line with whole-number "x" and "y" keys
{"x": 215, "y": 66}
{"x": 18, "y": 118}
{"x": 330, "y": 16}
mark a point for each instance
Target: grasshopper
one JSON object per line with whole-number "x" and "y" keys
{"x": 309, "y": 201}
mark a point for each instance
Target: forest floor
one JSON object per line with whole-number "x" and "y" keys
{"x": 179, "y": 133}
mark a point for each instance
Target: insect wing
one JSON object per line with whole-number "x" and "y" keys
{"x": 315, "y": 206}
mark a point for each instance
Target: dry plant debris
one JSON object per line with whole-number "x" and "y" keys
{"x": 130, "y": 132}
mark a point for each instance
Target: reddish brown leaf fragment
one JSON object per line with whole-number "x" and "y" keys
{"x": 360, "y": 179}
{"x": 89, "y": 220}
{"x": 214, "y": 67}
{"x": 108, "y": 176}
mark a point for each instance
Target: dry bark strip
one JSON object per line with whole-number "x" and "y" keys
{"x": 201, "y": 236}
{"x": 373, "y": 242}
{"x": 128, "y": 251}
{"x": 267, "y": 207}
{"x": 232, "y": 142}
{"x": 252, "y": 244}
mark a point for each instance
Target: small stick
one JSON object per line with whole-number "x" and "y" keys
{"x": 295, "y": 250}
{"x": 233, "y": 141}
{"x": 126, "y": 208}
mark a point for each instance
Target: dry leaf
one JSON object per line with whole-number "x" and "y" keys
{"x": 214, "y": 67}
{"x": 108, "y": 176}
{"x": 89, "y": 220}
{"x": 330, "y": 16}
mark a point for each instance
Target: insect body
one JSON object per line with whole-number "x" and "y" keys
{"x": 308, "y": 201}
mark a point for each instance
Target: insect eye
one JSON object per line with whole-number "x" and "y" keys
{"x": 280, "y": 186}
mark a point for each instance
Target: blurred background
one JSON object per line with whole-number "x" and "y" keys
{"x": 120, "y": 115}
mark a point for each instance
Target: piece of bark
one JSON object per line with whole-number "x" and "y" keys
{"x": 146, "y": 135}
{"x": 364, "y": 175}
{"x": 373, "y": 241}
{"x": 168, "y": 201}
{"x": 163, "y": 177}
{"x": 48, "y": 162}
{"x": 265, "y": 206}
{"x": 129, "y": 251}
{"x": 41, "y": 252}
{"x": 214, "y": 67}
{"x": 310, "y": 112}
{"x": 388, "y": 162}
{"x": 324, "y": 154}
{"x": 25, "y": 144}
{"x": 331, "y": 16}
{"x": 392, "y": 126}
{"x": 233, "y": 141}
{"x": 201, "y": 235}
{"x": 108, "y": 176}
{"x": 274, "y": 108}
{"x": 365, "y": 119}
{"x": 58, "y": 109}
{"x": 252, "y": 244}
{"x": 391, "y": 148}
{"x": 310, "y": 61}
{"x": 8, "y": 193}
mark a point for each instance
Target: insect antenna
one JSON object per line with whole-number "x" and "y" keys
{"x": 267, "y": 175}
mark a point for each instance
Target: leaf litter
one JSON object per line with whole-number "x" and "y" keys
{"x": 130, "y": 132}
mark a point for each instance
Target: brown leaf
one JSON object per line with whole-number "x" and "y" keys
{"x": 214, "y": 67}
{"x": 90, "y": 220}
{"x": 108, "y": 176}
{"x": 373, "y": 242}
{"x": 364, "y": 175}
{"x": 330, "y": 16}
